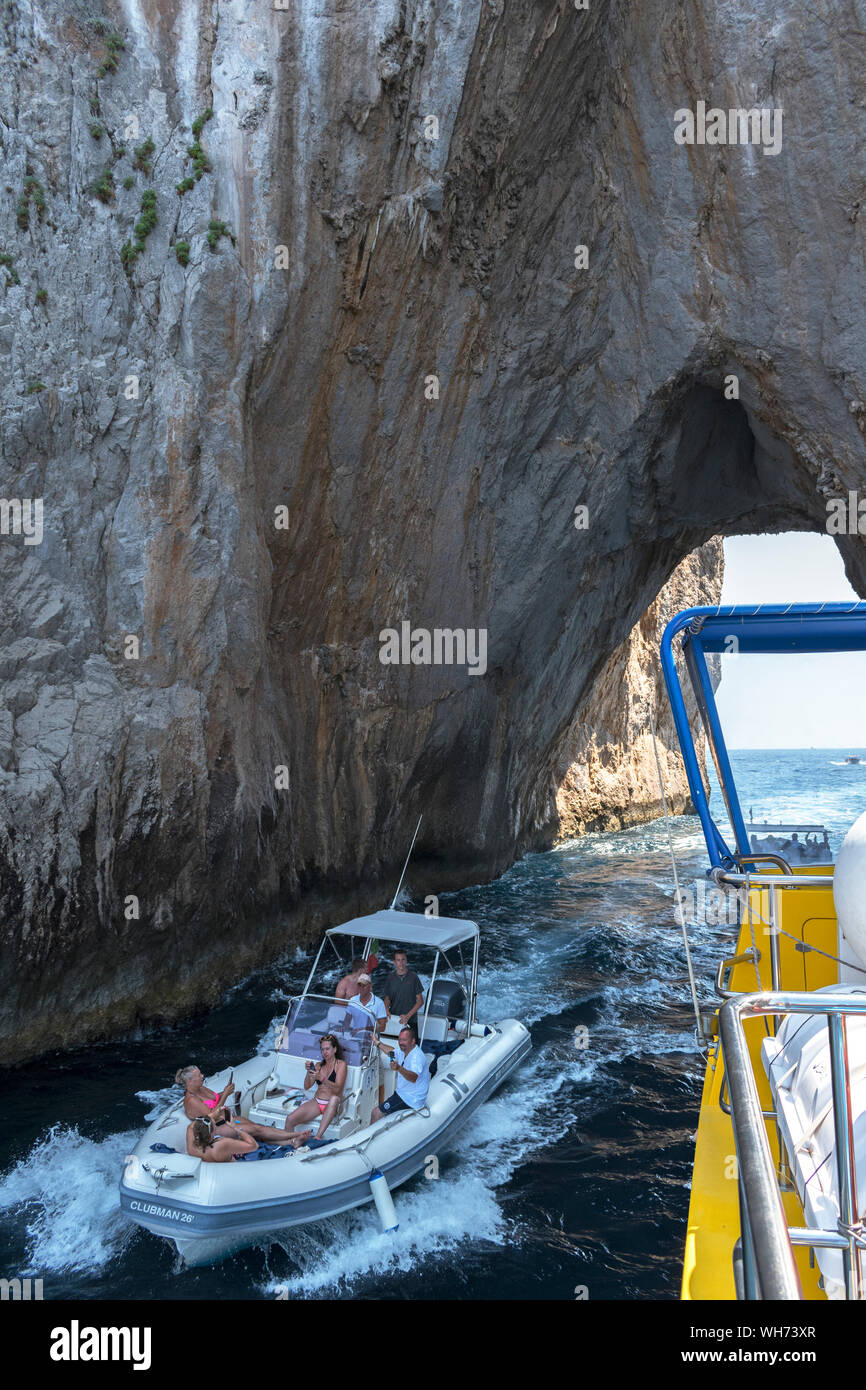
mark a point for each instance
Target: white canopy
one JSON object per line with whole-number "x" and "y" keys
{"x": 409, "y": 929}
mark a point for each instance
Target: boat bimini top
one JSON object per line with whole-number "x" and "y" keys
{"x": 409, "y": 929}
{"x": 767, "y": 628}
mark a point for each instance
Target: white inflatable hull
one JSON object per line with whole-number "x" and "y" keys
{"x": 211, "y": 1209}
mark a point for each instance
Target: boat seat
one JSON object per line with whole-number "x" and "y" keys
{"x": 435, "y": 1030}
{"x": 334, "y": 1021}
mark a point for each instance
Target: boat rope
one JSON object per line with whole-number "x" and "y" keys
{"x": 802, "y": 946}
{"x": 355, "y": 1148}
{"x": 679, "y": 899}
{"x": 805, "y": 948}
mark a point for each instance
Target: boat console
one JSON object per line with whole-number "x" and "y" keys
{"x": 298, "y": 1043}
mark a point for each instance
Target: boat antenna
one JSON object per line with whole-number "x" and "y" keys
{"x": 406, "y": 865}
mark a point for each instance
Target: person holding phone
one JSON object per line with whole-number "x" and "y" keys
{"x": 329, "y": 1078}
{"x": 413, "y": 1075}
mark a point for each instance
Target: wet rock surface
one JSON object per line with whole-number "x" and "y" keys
{"x": 373, "y": 196}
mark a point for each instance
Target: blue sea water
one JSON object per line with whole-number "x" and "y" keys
{"x": 575, "y": 1175}
{"x": 802, "y": 785}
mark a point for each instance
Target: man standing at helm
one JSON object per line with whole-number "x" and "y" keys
{"x": 373, "y": 1004}
{"x": 402, "y": 992}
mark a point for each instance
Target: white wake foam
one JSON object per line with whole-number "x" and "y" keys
{"x": 66, "y": 1190}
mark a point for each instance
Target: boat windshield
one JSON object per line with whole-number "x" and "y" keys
{"x": 312, "y": 1017}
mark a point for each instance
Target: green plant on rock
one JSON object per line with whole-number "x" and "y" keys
{"x": 99, "y": 26}
{"x": 184, "y": 186}
{"x": 31, "y": 192}
{"x": 181, "y": 250}
{"x": 200, "y": 162}
{"x": 41, "y": 296}
{"x": 8, "y": 264}
{"x": 103, "y": 187}
{"x": 114, "y": 44}
{"x": 142, "y": 154}
{"x": 215, "y": 230}
{"x": 94, "y": 105}
{"x": 148, "y": 219}
{"x": 128, "y": 182}
{"x": 35, "y": 386}
{"x": 130, "y": 251}
{"x": 33, "y": 188}
{"x": 199, "y": 123}
{"x": 96, "y": 130}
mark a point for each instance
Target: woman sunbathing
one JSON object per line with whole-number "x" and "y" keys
{"x": 199, "y": 1102}
{"x": 202, "y": 1141}
{"x": 329, "y": 1078}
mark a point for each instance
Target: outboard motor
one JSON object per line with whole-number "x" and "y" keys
{"x": 447, "y": 1000}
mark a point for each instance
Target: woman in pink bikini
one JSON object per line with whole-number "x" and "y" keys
{"x": 329, "y": 1077}
{"x": 199, "y": 1102}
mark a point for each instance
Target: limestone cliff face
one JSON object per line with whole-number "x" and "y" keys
{"x": 351, "y": 198}
{"x": 609, "y": 778}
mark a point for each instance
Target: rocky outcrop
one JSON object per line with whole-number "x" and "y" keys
{"x": 608, "y": 777}
{"x": 347, "y": 368}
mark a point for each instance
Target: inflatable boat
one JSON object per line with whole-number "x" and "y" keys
{"x": 209, "y": 1209}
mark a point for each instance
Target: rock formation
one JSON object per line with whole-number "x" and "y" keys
{"x": 608, "y": 778}
{"x": 298, "y": 343}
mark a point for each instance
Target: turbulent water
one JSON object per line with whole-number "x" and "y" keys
{"x": 574, "y": 1176}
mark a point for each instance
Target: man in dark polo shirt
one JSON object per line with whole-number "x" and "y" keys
{"x": 402, "y": 990}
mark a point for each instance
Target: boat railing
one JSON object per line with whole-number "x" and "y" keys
{"x": 765, "y": 859}
{"x": 769, "y": 1266}
{"x": 771, "y": 927}
{"x": 749, "y": 880}
{"x": 750, "y": 957}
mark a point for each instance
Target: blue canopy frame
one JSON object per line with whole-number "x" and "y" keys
{"x": 769, "y": 628}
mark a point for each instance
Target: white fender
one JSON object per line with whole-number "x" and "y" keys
{"x": 384, "y": 1201}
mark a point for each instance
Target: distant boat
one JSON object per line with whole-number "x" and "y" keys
{"x": 852, "y": 758}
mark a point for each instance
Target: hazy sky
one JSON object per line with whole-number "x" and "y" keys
{"x": 798, "y": 701}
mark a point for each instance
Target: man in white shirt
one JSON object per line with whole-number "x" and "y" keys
{"x": 413, "y": 1075}
{"x": 373, "y": 1004}
{"x": 368, "y": 1000}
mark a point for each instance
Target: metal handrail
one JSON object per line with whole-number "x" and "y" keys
{"x": 750, "y": 957}
{"x": 765, "y": 858}
{"x": 772, "y": 880}
{"x": 767, "y": 1238}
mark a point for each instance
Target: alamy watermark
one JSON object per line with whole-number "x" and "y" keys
{"x": 707, "y": 903}
{"x": 22, "y": 516}
{"x": 846, "y": 516}
{"x": 738, "y": 125}
{"x": 443, "y": 646}
{"x": 20, "y": 1289}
